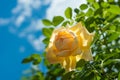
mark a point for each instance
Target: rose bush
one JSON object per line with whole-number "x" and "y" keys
{"x": 68, "y": 45}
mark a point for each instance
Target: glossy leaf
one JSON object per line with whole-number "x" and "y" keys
{"x": 114, "y": 9}
{"x": 57, "y": 20}
{"x": 68, "y": 13}
{"x": 89, "y": 12}
{"x": 47, "y": 32}
{"x": 90, "y": 1}
{"x": 96, "y": 5}
{"x": 46, "y": 22}
{"x": 83, "y": 6}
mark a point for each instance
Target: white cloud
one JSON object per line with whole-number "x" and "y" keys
{"x": 58, "y": 7}
{"x": 36, "y": 25}
{"x": 45, "y": 2}
{"x": 4, "y": 21}
{"x": 24, "y": 9}
{"x": 37, "y": 42}
{"x": 19, "y": 20}
{"x": 22, "y": 49}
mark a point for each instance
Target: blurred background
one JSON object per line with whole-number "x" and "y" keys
{"x": 20, "y": 31}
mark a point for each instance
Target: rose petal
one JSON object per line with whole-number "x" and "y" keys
{"x": 64, "y": 53}
{"x": 51, "y": 56}
{"x": 73, "y": 62}
{"x": 87, "y": 55}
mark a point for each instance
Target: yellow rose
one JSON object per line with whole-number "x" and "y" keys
{"x": 69, "y": 45}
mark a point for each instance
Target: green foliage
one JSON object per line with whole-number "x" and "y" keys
{"x": 34, "y": 58}
{"x": 100, "y": 17}
{"x": 114, "y": 9}
{"x": 57, "y": 20}
{"x": 83, "y": 6}
{"x": 47, "y": 22}
{"x": 114, "y": 36}
{"x": 68, "y": 13}
{"x": 47, "y": 31}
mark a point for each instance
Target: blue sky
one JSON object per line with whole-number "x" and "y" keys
{"x": 20, "y": 31}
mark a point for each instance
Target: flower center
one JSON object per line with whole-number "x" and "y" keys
{"x": 65, "y": 40}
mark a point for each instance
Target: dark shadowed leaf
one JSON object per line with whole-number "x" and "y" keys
{"x": 81, "y": 63}
{"x": 46, "y": 40}
{"x": 27, "y": 60}
{"x": 76, "y": 10}
{"x": 67, "y": 76}
{"x": 57, "y": 20}
{"x": 107, "y": 56}
{"x": 110, "y": 61}
{"x": 68, "y": 13}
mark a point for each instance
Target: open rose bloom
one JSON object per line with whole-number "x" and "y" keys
{"x": 68, "y": 45}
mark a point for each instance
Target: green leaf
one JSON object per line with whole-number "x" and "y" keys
{"x": 99, "y": 11}
{"x": 96, "y": 5}
{"x": 46, "y": 22}
{"x": 114, "y": 9}
{"x": 118, "y": 28}
{"x": 57, "y": 20}
{"x": 68, "y": 13}
{"x": 65, "y": 23}
{"x": 111, "y": 61}
{"x": 36, "y": 61}
{"x": 46, "y": 40}
{"x": 105, "y": 4}
{"x": 108, "y": 56}
{"x": 76, "y": 10}
{"x": 90, "y": 1}
{"x": 112, "y": 27}
{"x": 36, "y": 58}
{"x": 67, "y": 76}
{"x": 89, "y": 12}
{"x": 83, "y": 6}
{"x": 81, "y": 63}
{"x": 114, "y": 36}
{"x": 119, "y": 76}
{"x": 27, "y": 60}
{"x": 110, "y": 1}
{"x": 47, "y": 31}
{"x": 89, "y": 21}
